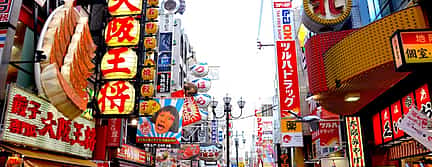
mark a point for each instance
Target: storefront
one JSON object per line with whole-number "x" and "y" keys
{"x": 353, "y": 73}
{"x": 36, "y": 134}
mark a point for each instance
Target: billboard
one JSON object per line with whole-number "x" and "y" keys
{"x": 165, "y": 125}
{"x": 166, "y": 157}
{"x": 32, "y": 121}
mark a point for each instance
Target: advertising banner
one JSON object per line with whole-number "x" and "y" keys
{"x": 423, "y": 100}
{"x": 115, "y": 132}
{"x": 283, "y": 22}
{"x": 329, "y": 133}
{"x": 291, "y": 134}
{"x": 166, "y": 157}
{"x": 411, "y": 48}
{"x": 134, "y": 154}
{"x": 259, "y": 125}
{"x": 165, "y": 125}
{"x": 355, "y": 142}
{"x": 210, "y": 152}
{"x": 418, "y": 126}
{"x": 386, "y": 126}
{"x": 191, "y": 113}
{"x": 267, "y": 128}
{"x": 189, "y": 152}
{"x": 163, "y": 82}
{"x": 396, "y": 116}
{"x": 32, "y": 121}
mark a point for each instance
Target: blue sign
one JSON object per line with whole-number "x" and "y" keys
{"x": 214, "y": 129}
{"x": 165, "y": 42}
{"x": 220, "y": 136}
{"x": 164, "y": 62}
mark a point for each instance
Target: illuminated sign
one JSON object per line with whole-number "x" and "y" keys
{"x": 325, "y": 12}
{"x": 32, "y": 121}
{"x": 147, "y": 90}
{"x": 355, "y": 142}
{"x": 150, "y": 42}
{"x": 164, "y": 62}
{"x": 134, "y": 154}
{"x": 148, "y": 73}
{"x": 122, "y": 31}
{"x": 203, "y": 84}
{"x": 5, "y": 10}
{"x": 124, "y": 7}
{"x": 151, "y": 27}
{"x": 116, "y": 97}
{"x": 412, "y": 49}
{"x": 119, "y": 63}
{"x": 166, "y": 157}
{"x": 329, "y": 133}
{"x": 152, "y": 13}
{"x": 191, "y": 113}
{"x": 291, "y": 133}
{"x": 387, "y": 122}
{"x": 212, "y": 152}
{"x": 189, "y": 152}
{"x": 148, "y": 107}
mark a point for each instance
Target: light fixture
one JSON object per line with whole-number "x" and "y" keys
{"x": 352, "y": 97}
{"x": 134, "y": 122}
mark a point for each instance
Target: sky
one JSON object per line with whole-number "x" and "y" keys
{"x": 224, "y": 33}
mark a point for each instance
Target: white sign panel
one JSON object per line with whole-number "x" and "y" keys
{"x": 417, "y": 125}
{"x": 292, "y": 139}
{"x": 32, "y": 121}
{"x": 283, "y": 22}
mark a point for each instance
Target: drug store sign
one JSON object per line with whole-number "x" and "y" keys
{"x": 32, "y": 121}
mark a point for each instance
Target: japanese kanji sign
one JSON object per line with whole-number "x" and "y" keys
{"x": 417, "y": 125}
{"x": 116, "y": 97}
{"x": 122, "y": 31}
{"x": 32, "y": 121}
{"x": 355, "y": 142}
{"x": 329, "y": 133}
{"x": 411, "y": 48}
{"x": 5, "y": 10}
{"x": 288, "y": 78}
{"x": 124, "y": 7}
{"x": 119, "y": 63}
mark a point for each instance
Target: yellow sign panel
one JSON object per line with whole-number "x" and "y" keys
{"x": 290, "y": 126}
{"x": 122, "y": 31}
{"x": 124, "y": 7}
{"x": 119, "y": 63}
{"x": 417, "y": 46}
{"x": 116, "y": 97}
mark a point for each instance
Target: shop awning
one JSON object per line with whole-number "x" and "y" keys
{"x": 39, "y": 155}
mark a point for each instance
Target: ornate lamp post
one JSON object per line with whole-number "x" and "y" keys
{"x": 227, "y": 114}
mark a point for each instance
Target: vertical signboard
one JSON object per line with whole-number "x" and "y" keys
{"x": 386, "y": 125}
{"x": 355, "y": 142}
{"x": 114, "y": 132}
{"x": 329, "y": 133}
{"x": 283, "y": 20}
{"x": 214, "y": 128}
{"x": 396, "y": 115}
{"x": 423, "y": 100}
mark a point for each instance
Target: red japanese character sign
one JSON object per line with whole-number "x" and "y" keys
{"x": 122, "y": 31}
{"x": 147, "y": 90}
{"x": 124, "y": 7}
{"x": 288, "y": 78}
{"x": 191, "y": 112}
{"x": 151, "y": 27}
{"x": 152, "y": 13}
{"x": 34, "y": 122}
{"x": 116, "y": 97}
{"x": 150, "y": 42}
{"x": 119, "y": 63}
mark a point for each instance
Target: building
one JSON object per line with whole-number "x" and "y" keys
{"x": 352, "y": 72}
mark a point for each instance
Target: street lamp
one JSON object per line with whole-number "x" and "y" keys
{"x": 236, "y": 139}
{"x": 227, "y": 114}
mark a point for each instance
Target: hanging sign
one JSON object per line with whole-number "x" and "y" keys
{"x": 423, "y": 100}
{"x": 116, "y": 97}
{"x": 203, "y": 100}
{"x": 203, "y": 84}
{"x": 387, "y": 127}
{"x": 122, "y": 31}
{"x": 34, "y": 122}
{"x": 119, "y": 63}
{"x": 115, "y": 132}
{"x": 355, "y": 142}
{"x": 124, "y": 7}
{"x": 200, "y": 69}
{"x": 214, "y": 127}
{"x": 148, "y": 107}
{"x": 329, "y": 133}
{"x": 412, "y": 49}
